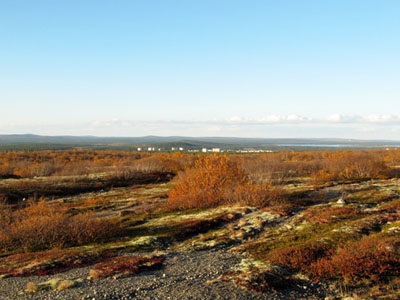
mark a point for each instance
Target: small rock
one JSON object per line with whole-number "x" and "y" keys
{"x": 341, "y": 201}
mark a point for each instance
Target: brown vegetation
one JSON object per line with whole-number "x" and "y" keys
{"x": 299, "y": 257}
{"x": 49, "y": 262}
{"x": 41, "y": 226}
{"x": 374, "y": 258}
{"x": 125, "y": 265}
{"x": 289, "y": 216}
{"x": 217, "y": 180}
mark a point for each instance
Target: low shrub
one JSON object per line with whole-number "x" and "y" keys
{"x": 257, "y": 194}
{"x": 206, "y": 184}
{"x": 350, "y": 165}
{"x": 41, "y": 226}
{"x": 49, "y": 262}
{"x": 125, "y": 265}
{"x": 299, "y": 257}
{"x": 327, "y": 214}
{"x": 217, "y": 180}
{"x": 374, "y": 258}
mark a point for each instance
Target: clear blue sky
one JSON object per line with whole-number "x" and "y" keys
{"x": 201, "y": 68}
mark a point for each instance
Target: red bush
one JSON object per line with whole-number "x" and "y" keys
{"x": 41, "y": 226}
{"x": 299, "y": 257}
{"x": 209, "y": 183}
{"x": 373, "y": 258}
{"x": 217, "y": 180}
{"x": 125, "y": 265}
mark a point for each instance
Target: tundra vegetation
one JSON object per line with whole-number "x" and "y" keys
{"x": 71, "y": 208}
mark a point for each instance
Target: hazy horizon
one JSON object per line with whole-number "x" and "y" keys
{"x": 263, "y": 69}
{"x": 181, "y": 138}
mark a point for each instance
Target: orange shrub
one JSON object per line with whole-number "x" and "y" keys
{"x": 351, "y": 165}
{"x": 273, "y": 167}
{"x": 41, "y": 226}
{"x": 207, "y": 184}
{"x": 257, "y": 194}
{"x": 375, "y": 258}
{"x": 217, "y": 180}
{"x": 299, "y": 257}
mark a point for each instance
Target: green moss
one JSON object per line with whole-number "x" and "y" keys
{"x": 392, "y": 227}
{"x": 371, "y": 196}
{"x": 333, "y": 234}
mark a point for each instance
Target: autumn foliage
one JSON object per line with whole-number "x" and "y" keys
{"x": 324, "y": 241}
{"x": 215, "y": 180}
{"x": 322, "y": 166}
{"x": 299, "y": 257}
{"x": 28, "y": 164}
{"x": 375, "y": 258}
{"x": 41, "y": 226}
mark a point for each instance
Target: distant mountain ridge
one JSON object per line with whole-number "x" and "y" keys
{"x": 32, "y": 141}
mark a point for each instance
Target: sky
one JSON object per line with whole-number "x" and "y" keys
{"x": 241, "y": 68}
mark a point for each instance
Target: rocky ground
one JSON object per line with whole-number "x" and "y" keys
{"x": 185, "y": 275}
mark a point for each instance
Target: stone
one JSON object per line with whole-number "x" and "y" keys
{"x": 341, "y": 201}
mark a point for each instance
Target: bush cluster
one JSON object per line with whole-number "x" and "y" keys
{"x": 28, "y": 164}
{"x": 299, "y": 257}
{"x": 217, "y": 180}
{"x": 41, "y": 226}
{"x": 374, "y": 258}
{"x": 371, "y": 259}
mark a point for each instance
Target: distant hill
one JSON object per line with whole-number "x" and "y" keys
{"x": 31, "y": 141}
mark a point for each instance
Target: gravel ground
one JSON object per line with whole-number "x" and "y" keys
{"x": 184, "y": 276}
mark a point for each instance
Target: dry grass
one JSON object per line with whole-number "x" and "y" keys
{"x": 52, "y": 284}
{"x": 65, "y": 284}
{"x": 328, "y": 214}
{"x": 31, "y": 287}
